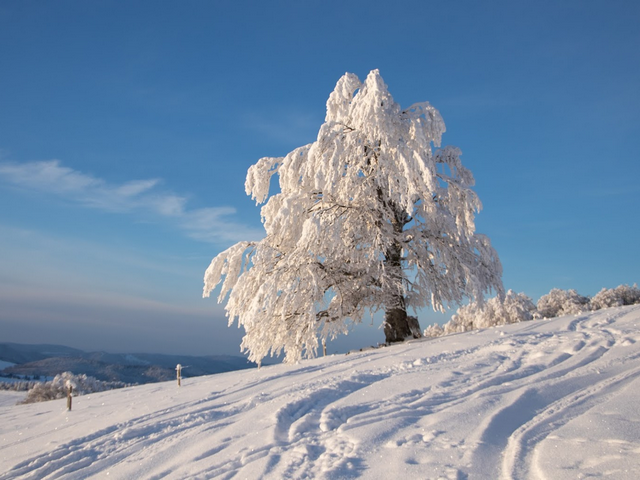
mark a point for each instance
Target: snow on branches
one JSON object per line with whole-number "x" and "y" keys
{"x": 368, "y": 217}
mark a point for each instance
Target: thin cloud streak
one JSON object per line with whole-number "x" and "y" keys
{"x": 21, "y": 297}
{"x": 211, "y": 224}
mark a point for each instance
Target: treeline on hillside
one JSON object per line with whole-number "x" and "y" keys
{"x": 18, "y": 385}
{"x": 518, "y": 307}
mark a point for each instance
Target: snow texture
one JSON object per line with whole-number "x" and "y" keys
{"x": 368, "y": 217}
{"x": 544, "y": 399}
{"x": 8, "y": 397}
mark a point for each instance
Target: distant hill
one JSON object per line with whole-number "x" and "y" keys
{"x": 50, "y": 360}
{"x": 23, "y": 353}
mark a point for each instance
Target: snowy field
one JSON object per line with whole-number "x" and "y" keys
{"x": 551, "y": 399}
{"x": 9, "y": 398}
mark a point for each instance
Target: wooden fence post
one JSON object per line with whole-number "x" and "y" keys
{"x": 69, "y": 396}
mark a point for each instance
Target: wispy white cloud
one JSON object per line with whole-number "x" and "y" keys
{"x": 212, "y": 224}
{"x": 48, "y": 176}
{"x": 134, "y": 188}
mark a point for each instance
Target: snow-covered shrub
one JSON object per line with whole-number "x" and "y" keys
{"x": 615, "y": 297}
{"x": 433, "y": 331}
{"x": 463, "y": 320}
{"x": 605, "y": 298}
{"x": 59, "y": 386}
{"x": 562, "y": 302}
{"x": 514, "y": 308}
{"x": 518, "y": 307}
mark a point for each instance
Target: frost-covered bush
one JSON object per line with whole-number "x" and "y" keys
{"x": 18, "y": 386}
{"x": 615, "y": 297}
{"x": 463, "y": 320}
{"x": 605, "y": 298}
{"x": 566, "y": 302}
{"x": 59, "y": 386}
{"x": 514, "y": 308}
{"x": 433, "y": 331}
{"x": 562, "y": 302}
{"x": 517, "y": 307}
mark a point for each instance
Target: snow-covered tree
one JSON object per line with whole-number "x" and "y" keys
{"x": 433, "y": 331}
{"x": 559, "y": 302}
{"x": 615, "y": 297}
{"x": 512, "y": 308}
{"x": 368, "y": 217}
{"x": 59, "y": 387}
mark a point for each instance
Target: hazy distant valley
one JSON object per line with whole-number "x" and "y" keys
{"x": 22, "y": 361}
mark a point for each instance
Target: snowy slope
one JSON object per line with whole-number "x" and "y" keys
{"x": 554, "y": 399}
{"x": 9, "y": 398}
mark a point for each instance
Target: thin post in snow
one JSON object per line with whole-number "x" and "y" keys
{"x": 69, "y": 397}
{"x": 179, "y": 373}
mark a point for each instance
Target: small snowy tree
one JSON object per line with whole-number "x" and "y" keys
{"x": 562, "y": 302}
{"x": 433, "y": 331}
{"x": 512, "y": 308}
{"x": 615, "y": 297}
{"x": 368, "y": 217}
{"x": 59, "y": 387}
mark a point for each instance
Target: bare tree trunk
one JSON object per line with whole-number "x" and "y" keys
{"x": 397, "y": 324}
{"x": 396, "y": 327}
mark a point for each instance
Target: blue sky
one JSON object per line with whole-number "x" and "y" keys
{"x": 126, "y": 130}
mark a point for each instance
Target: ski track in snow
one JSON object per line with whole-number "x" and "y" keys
{"x": 489, "y": 404}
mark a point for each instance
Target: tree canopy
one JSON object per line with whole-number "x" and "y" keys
{"x": 367, "y": 217}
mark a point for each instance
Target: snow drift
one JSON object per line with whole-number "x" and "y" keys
{"x": 541, "y": 399}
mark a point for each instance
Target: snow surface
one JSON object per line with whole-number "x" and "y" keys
{"x": 553, "y": 399}
{"x": 8, "y": 397}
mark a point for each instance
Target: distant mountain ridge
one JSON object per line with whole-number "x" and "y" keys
{"x": 50, "y": 360}
{"x": 25, "y": 353}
